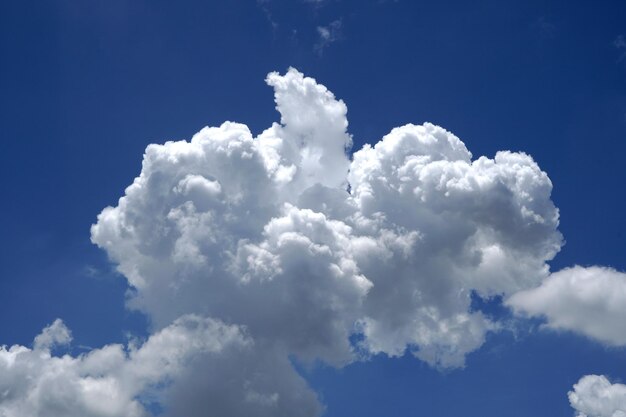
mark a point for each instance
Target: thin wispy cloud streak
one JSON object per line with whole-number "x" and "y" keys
{"x": 620, "y": 44}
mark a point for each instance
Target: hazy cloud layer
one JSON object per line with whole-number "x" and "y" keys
{"x": 589, "y": 301}
{"x": 246, "y": 252}
{"x": 596, "y": 396}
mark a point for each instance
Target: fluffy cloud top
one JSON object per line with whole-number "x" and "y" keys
{"x": 285, "y": 236}
{"x": 590, "y": 301}
{"x": 55, "y": 334}
{"x": 596, "y": 396}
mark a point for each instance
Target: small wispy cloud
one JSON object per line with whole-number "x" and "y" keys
{"x": 620, "y": 44}
{"x": 545, "y": 27}
{"x": 327, "y": 35}
{"x": 316, "y": 4}
{"x": 264, "y": 6}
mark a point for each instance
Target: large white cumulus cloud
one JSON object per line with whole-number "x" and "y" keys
{"x": 285, "y": 235}
{"x": 246, "y": 252}
{"x": 596, "y": 396}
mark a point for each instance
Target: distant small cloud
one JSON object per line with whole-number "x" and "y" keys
{"x": 95, "y": 272}
{"x": 264, "y": 6}
{"x": 328, "y": 34}
{"x": 316, "y": 4}
{"x": 545, "y": 27}
{"x": 620, "y": 44}
{"x": 91, "y": 271}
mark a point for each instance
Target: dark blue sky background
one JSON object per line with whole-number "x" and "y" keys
{"x": 86, "y": 85}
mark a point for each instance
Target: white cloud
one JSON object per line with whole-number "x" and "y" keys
{"x": 262, "y": 233}
{"x": 121, "y": 380}
{"x": 328, "y": 34}
{"x": 589, "y": 301}
{"x": 104, "y": 382}
{"x": 620, "y": 44}
{"x": 484, "y": 225}
{"x": 596, "y": 396}
{"x": 310, "y": 144}
{"x": 56, "y": 334}
{"x": 264, "y": 6}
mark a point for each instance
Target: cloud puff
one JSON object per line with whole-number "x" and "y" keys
{"x": 285, "y": 236}
{"x": 595, "y": 396}
{"x": 121, "y": 380}
{"x": 104, "y": 382}
{"x": 589, "y": 301}
{"x": 485, "y": 225}
{"x": 53, "y": 335}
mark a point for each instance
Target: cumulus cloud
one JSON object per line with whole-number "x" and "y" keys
{"x": 263, "y": 232}
{"x": 118, "y": 380}
{"x": 53, "y": 335}
{"x": 486, "y": 225}
{"x": 596, "y": 396}
{"x": 589, "y": 301}
{"x": 286, "y": 236}
{"x": 106, "y": 381}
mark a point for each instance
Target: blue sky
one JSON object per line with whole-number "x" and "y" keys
{"x": 86, "y": 86}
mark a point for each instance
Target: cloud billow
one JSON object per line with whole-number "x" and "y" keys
{"x": 245, "y": 252}
{"x": 596, "y": 396}
{"x": 262, "y": 232}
